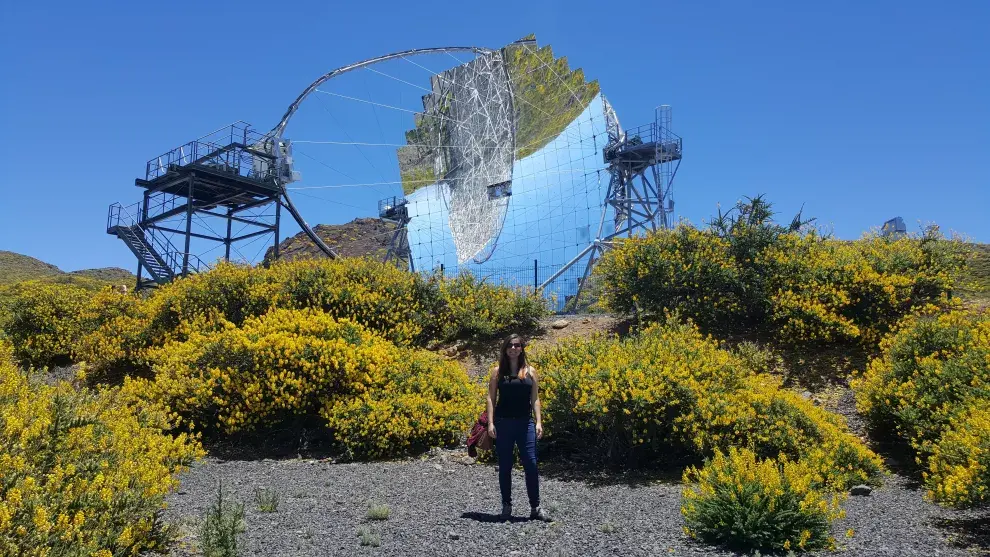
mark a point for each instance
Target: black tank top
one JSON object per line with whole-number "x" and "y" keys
{"x": 514, "y": 397}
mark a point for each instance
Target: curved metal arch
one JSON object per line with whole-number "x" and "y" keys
{"x": 280, "y": 128}
{"x": 277, "y": 131}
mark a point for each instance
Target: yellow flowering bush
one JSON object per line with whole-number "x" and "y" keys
{"x": 381, "y": 297}
{"x": 670, "y": 390}
{"x": 929, "y": 374}
{"x": 959, "y": 468}
{"x": 41, "y": 319}
{"x": 81, "y": 472}
{"x": 770, "y": 420}
{"x": 423, "y": 402}
{"x": 746, "y": 503}
{"x": 748, "y": 275}
{"x": 686, "y": 270}
{"x": 826, "y": 291}
{"x": 406, "y": 308}
{"x": 280, "y": 364}
{"x": 113, "y": 335}
{"x": 473, "y": 308}
{"x": 380, "y": 399}
{"x": 234, "y": 291}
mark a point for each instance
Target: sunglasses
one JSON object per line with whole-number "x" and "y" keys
{"x": 515, "y": 345}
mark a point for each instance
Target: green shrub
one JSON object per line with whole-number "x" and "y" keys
{"x": 379, "y": 400}
{"x": 266, "y": 499}
{"x": 670, "y": 391}
{"x": 81, "y": 471}
{"x": 684, "y": 270}
{"x": 927, "y": 374}
{"x": 959, "y": 468}
{"x": 378, "y": 512}
{"x": 42, "y": 320}
{"x": 745, "y": 503}
{"x": 220, "y": 527}
{"x": 745, "y": 274}
{"x": 931, "y": 386}
{"x": 475, "y": 309}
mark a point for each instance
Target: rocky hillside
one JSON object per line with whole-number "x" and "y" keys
{"x": 15, "y": 267}
{"x": 358, "y": 238}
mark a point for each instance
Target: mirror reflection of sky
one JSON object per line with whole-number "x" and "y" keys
{"x": 553, "y": 214}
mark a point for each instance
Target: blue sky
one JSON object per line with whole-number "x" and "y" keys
{"x": 860, "y": 111}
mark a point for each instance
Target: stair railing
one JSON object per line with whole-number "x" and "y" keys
{"x": 129, "y": 217}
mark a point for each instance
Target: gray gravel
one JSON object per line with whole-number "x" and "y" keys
{"x": 441, "y": 506}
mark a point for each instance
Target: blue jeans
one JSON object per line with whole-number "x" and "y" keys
{"x": 519, "y": 432}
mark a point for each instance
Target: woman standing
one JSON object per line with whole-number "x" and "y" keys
{"x": 515, "y": 386}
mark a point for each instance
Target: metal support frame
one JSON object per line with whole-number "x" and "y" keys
{"x": 233, "y": 177}
{"x": 394, "y": 210}
{"x": 639, "y": 204}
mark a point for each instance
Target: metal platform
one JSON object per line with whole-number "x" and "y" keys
{"x": 232, "y": 166}
{"x": 225, "y": 175}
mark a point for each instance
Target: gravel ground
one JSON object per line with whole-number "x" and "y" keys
{"x": 442, "y": 506}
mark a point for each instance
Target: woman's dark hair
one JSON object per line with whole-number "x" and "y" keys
{"x": 503, "y": 360}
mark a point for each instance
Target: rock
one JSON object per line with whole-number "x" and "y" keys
{"x": 560, "y": 323}
{"x": 861, "y": 490}
{"x": 453, "y": 535}
{"x": 438, "y": 467}
{"x": 467, "y": 460}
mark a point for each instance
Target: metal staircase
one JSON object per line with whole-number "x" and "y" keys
{"x": 154, "y": 252}
{"x": 135, "y": 239}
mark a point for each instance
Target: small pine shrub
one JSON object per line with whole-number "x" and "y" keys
{"x": 220, "y": 527}
{"x": 266, "y": 500}
{"x": 757, "y": 358}
{"x": 368, "y": 538}
{"x": 378, "y": 512}
{"x": 745, "y": 503}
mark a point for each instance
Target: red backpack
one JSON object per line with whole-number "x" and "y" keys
{"x": 478, "y": 438}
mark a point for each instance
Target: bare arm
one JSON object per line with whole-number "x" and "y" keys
{"x": 535, "y": 400}
{"x": 490, "y": 401}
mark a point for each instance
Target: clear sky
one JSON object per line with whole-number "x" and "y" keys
{"x": 860, "y": 111}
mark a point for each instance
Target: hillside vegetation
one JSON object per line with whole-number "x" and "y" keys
{"x": 974, "y": 280}
{"x": 350, "y": 349}
{"x": 15, "y": 267}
